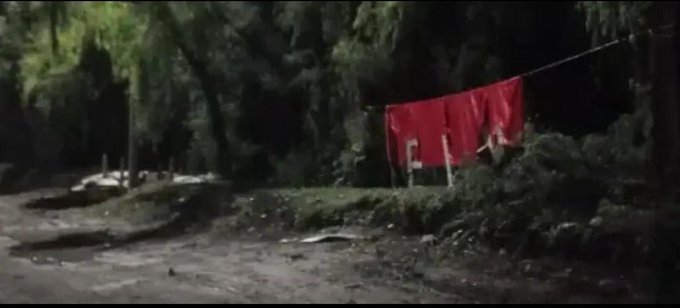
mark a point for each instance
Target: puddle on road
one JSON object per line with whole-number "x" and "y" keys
{"x": 73, "y": 248}
{"x": 78, "y": 247}
{"x": 55, "y": 256}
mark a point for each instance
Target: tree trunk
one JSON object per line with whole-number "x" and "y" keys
{"x": 132, "y": 149}
{"x": 666, "y": 130}
{"x": 53, "y": 6}
{"x": 200, "y": 69}
{"x": 214, "y": 112}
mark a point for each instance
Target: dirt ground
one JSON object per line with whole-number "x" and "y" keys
{"x": 247, "y": 268}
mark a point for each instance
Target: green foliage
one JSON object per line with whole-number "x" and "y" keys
{"x": 627, "y": 145}
{"x": 475, "y": 186}
{"x": 609, "y": 19}
{"x": 295, "y": 169}
{"x": 317, "y": 64}
{"x": 110, "y": 25}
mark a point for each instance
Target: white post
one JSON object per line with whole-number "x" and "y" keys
{"x": 105, "y": 166}
{"x": 410, "y": 163}
{"x": 500, "y": 136}
{"x": 122, "y": 172}
{"x": 409, "y": 168}
{"x": 447, "y": 161}
{"x": 171, "y": 169}
{"x": 159, "y": 171}
{"x": 497, "y": 148}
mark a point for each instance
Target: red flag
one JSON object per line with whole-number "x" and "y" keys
{"x": 506, "y": 110}
{"x": 461, "y": 117}
{"x": 423, "y": 121}
{"x": 465, "y": 115}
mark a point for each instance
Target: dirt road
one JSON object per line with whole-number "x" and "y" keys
{"x": 203, "y": 268}
{"x": 192, "y": 269}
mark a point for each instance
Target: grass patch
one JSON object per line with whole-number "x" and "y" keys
{"x": 322, "y": 207}
{"x": 151, "y": 203}
{"x": 316, "y": 208}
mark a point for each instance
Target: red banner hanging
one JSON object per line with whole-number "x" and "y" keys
{"x": 461, "y": 117}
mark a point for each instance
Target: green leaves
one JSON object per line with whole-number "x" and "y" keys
{"x": 379, "y": 22}
{"x": 314, "y": 63}
{"x": 611, "y": 18}
{"x": 113, "y": 26}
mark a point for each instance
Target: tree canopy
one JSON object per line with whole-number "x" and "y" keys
{"x": 278, "y": 90}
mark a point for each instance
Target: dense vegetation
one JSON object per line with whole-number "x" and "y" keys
{"x": 276, "y": 91}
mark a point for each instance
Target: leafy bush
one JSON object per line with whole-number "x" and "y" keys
{"x": 626, "y": 146}
{"x": 475, "y": 186}
{"x": 295, "y": 169}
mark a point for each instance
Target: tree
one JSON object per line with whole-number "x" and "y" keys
{"x": 256, "y": 82}
{"x": 664, "y": 71}
{"x": 114, "y": 26}
{"x": 167, "y": 16}
{"x": 609, "y": 20}
{"x": 123, "y": 29}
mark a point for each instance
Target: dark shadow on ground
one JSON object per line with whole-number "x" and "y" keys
{"x": 190, "y": 214}
{"x": 76, "y": 199}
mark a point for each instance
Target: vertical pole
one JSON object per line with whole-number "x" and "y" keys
{"x": 159, "y": 171}
{"x": 171, "y": 169}
{"x": 105, "y": 166}
{"x": 133, "y": 173}
{"x": 496, "y": 145}
{"x": 447, "y": 161}
{"x": 122, "y": 168}
{"x": 410, "y": 164}
{"x": 409, "y": 168}
{"x": 392, "y": 176}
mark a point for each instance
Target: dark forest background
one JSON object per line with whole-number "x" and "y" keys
{"x": 276, "y": 92}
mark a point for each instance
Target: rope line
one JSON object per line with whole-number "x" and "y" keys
{"x": 580, "y": 55}
{"x": 592, "y": 50}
